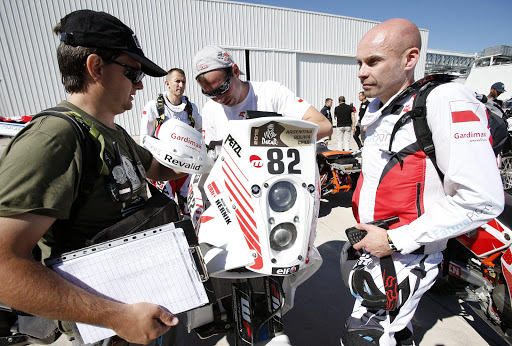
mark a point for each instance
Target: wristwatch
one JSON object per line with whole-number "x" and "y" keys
{"x": 391, "y": 245}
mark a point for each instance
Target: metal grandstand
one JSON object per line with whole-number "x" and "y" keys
{"x": 442, "y": 61}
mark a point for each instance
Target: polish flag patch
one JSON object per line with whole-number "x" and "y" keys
{"x": 214, "y": 188}
{"x": 464, "y": 116}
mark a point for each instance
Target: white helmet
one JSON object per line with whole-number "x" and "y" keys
{"x": 180, "y": 147}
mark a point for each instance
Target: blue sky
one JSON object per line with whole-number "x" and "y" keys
{"x": 457, "y": 25}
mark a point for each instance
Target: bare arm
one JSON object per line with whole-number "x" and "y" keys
{"x": 31, "y": 287}
{"x": 324, "y": 125}
{"x": 159, "y": 172}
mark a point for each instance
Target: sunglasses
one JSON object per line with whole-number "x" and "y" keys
{"x": 133, "y": 74}
{"x": 224, "y": 87}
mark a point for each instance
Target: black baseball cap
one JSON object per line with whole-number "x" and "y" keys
{"x": 93, "y": 29}
{"x": 499, "y": 87}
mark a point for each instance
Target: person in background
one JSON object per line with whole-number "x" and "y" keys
{"x": 102, "y": 67}
{"x": 219, "y": 79}
{"x": 497, "y": 89}
{"x": 326, "y": 111}
{"x": 344, "y": 122}
{"x": 358, "y": 130}
{"x": 402, "y": 181}
{"x": 174, "y": 105}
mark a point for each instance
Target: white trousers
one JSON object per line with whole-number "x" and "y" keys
{"x": 344, "y": 133}
{"x": 420, "y": 271}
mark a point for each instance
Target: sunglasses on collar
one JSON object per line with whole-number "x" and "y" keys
{"x": 133, "y": 74}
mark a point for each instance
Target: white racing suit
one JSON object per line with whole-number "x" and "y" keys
{"x": 431, "y": 211}
{"x": 178, "y": 187}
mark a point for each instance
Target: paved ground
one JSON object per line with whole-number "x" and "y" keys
{"x": 323, "y": 303}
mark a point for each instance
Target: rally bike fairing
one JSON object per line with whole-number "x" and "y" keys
{"x": 260, "y": 199}
{"x": 256, "y": 211}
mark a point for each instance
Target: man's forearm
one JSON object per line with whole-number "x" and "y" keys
{"x": 30, "y": 287}
{"x": 160, "y": 172}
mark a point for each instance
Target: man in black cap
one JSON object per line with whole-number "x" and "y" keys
{"x": 497, "y": 89}
{"x": 102, "y": 66}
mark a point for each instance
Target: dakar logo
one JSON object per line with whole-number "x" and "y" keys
{"x": 269, "y": 137}
{"x": 256, "y": 161}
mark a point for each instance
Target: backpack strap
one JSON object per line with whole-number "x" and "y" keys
{"x": 421, "y": 129}
{"x": 160, "y": 107}
{"x": 418, "y": 114}
{"x": 90, "y": 171}
{"x": 189, "y": 109}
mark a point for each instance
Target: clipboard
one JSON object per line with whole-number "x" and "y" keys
{"x": 162, "y": 265}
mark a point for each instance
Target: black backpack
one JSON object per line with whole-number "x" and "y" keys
{"x": 158, "y": 209}
{"x": 418, "y": 114}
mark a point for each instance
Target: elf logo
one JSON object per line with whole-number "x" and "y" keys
{"x": 454, "y": 270}
{"x": 285, "y": 271}
{"x": 256, "y": 161}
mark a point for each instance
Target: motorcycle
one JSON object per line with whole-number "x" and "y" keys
{"x": 11, "y": 126}
{"x": 339, "y": 170}
{"x": 505, "y": 157}
{"x": 477, "y": 267}
{"x": 255, "y": 214}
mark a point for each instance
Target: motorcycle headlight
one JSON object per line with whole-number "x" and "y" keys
{"x": 282, "y": 196}
{"x": 283, "y": 236}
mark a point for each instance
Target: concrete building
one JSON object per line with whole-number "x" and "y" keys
{"x": 311, "y": 53}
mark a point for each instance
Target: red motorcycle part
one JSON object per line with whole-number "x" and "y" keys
{"x": 506, "y": 267}
{"x": 490, "y": 238}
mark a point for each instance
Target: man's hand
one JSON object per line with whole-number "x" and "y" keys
{"x": 143, "y": 322}
{"x": 375, "y": 242}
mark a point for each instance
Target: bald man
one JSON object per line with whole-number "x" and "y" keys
{"x": 402, "y": 181}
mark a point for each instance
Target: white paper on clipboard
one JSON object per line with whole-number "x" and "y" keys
{"x": 152, "y": 266}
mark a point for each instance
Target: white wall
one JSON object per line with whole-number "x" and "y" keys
{"x": 480, "y": 79}
{"x": 311, "y": 53}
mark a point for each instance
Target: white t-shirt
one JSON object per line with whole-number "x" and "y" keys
{"x": 266, "y": 96}
{"x": 150, "y": 113}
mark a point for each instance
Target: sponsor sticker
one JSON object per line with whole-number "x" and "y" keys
{"x": 454, "y": 270}
{"x": 256, "y": 161}
{"x": 233, "y": 144}
{"x": 188, "y": 141}
{"x": 276, "y": 134}
{"x": 223, "y": 210}
{"x": 176, "y": 162}
{"x": 214, "y": 188}
{"x": 285, "y": 270}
